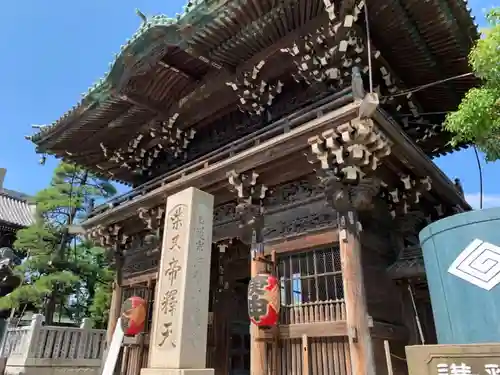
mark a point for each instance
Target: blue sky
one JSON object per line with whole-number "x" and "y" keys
{"x": 53, "y": 53}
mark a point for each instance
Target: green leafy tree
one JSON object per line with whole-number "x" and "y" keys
{"x": 99, "y": 310}
{"x": 62, "y": 271}
{"x": 478, "y": 117}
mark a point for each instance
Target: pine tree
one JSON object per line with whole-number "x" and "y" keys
{"x": 62, "y": 272}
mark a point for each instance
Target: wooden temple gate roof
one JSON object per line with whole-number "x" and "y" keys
{"x": 182, "y": 71}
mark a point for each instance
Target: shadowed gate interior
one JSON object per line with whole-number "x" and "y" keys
{"x": 311, "y": 292}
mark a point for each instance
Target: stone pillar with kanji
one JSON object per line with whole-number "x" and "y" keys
{"x": 179, "y": 331}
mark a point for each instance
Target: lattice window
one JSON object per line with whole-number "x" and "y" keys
{"x": 311, "y": 280}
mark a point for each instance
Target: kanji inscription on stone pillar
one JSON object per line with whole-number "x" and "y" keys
{"x": 179, "y": 334}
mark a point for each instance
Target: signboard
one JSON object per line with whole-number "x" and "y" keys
{"x": 474, "y": 359}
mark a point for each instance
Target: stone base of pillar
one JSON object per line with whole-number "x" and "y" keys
{"x": 173, "y": 371}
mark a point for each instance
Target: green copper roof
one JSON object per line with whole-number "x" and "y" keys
{"x": 148, "y": 44}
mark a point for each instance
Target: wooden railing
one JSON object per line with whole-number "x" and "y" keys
{"x": 326, "y": 352}
{"x": 313, "y": 312}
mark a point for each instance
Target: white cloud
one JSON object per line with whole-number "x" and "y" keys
{"x": 489, "y": 200}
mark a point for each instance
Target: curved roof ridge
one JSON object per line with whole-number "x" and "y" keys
{"x": 154, "y": 33}
{"x": 14, "y": 194}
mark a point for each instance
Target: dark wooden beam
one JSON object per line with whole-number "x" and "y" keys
{"x": 140, "y": 279}
{"x": 294, "y": 331}
{"x": 302, "y": 241}
{"x": 146, "y": 104}
{"x": 391, "y": 332}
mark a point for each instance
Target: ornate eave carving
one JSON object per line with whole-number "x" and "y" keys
{"x": 255, "y": 94}
{"x": 346, "y": 155}
{"x": 109, "y": 237}
{"x": 250, "y": 198}
{"x": 350, "y": 151}
{"x": 153, "y": 218}
{"x": 147, "y": 146}
{"x": 400, "y": 199}
{"x": 250, "y": 208}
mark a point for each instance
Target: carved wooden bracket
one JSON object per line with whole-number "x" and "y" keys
{"x": 315, "y": 55}
{"x": 401, "y": 199}
{"x": 172, "y": 139}
{"x": 350, "y": 151}
{"x": 346, "y": 155}
{"x": 250, "y": 197}
{"x": 250, "y": 207}
{"x": 109, "y": 237}
{"x": 153, "y": 218}
{"x": 344, "y": 197}
{"x": 145, "y": 147}
{"x": 255, "y": 94}
{"x": 224, "y": 244}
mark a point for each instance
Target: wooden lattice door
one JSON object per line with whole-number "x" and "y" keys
{"x": 312, "y": 295}
{"x": 239, "y": 348}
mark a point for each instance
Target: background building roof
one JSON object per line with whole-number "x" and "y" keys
{"x": 15, "y": 211}
{"x": 15, "y": 208}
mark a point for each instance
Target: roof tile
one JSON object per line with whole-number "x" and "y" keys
{"x": 15, "y": 211}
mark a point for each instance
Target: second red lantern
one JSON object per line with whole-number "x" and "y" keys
{"x": 264, "y": 300}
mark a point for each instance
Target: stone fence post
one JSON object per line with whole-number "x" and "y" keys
{"x": 27, "y": 345}
{"x": 85, "y": 326}
{"x": 33, "y": 333}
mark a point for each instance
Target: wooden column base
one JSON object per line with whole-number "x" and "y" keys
{"x": 360, "y": 342}
{"x": 258, "y": 347}
{"x": 114, "y": 311}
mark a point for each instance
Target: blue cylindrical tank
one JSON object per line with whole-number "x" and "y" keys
{"x": 462, "y": 263}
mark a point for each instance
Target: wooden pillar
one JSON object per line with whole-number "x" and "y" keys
{"x": 348, "y": 155}
{"x": 360, "y": 342}
{"x": 258, "y": 348}
{"x": 250, "y": 196}
{"x": 220, "y": 311}
{"x": 112, "y": 238}
{"x": 114, "y": 311}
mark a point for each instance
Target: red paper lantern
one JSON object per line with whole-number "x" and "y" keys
{"x": 133, "y": 316}
{"x": 264, "y": 300}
